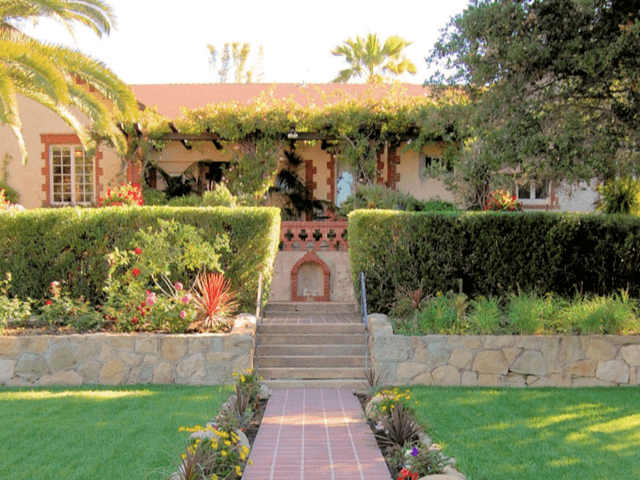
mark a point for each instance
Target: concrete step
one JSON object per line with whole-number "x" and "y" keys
{"x": 311, "y": 373}
{"x": 336, "y": 328}
{"x": 311, "y": 307}
{"x": 355, "y": 384}
{"x": 310, "y": 350}
{"x": 317, "y": 361}
{"x": 312, "y": 339}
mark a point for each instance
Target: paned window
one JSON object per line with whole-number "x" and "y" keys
{"x": 533, "y": 192}
{"x": 72, "y": 175}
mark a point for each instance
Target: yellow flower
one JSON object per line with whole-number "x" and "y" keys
{"x": 261, "y": 378}
{"x": 238, "y": 470}
{"x": 250, "y": 462}
{"x": 242, "y": 456}
{"x": 214, "y": 477}
{"x": 223, "y": 453}
{"x": 242, "y": 379}
{"x": 214, "y": 445}
{"x": 384, "y": 407}
{"x": 183, "y": 456}
{"x": 234, "y": 374}
{"x": 227, "y": 443}
{"x": 245, "y": 449}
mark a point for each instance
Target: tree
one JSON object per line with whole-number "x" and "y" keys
{"x": 55, "y": 76}
{"x": 555, "y": 85}
{"x": 371, "y": 60}
{"x": 233, "y": 60}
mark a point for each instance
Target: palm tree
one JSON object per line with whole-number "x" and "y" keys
{"x": 59, "y": 77}
{"x": 371, "y": 60}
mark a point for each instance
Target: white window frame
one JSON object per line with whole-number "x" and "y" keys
{"x": 533, "y": 200}
{"x": 53, "y": 176}
{"x": 436, "y": 160}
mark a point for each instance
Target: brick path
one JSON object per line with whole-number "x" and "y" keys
{"x": 315, "y": 434}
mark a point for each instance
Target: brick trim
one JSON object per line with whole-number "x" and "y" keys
{"x": 392, "y": 160}
{"x": 331, "y": 181}
{"x": 380, "y": 169}
{"x": 49, "y": 139}
{"x": 310, "y": 257}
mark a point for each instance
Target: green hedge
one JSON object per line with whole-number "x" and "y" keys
{"x": 70, "y": 245}
{"x": 493, "y": 253}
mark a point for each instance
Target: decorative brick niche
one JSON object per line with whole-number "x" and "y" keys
{"x": 310, "y": 257}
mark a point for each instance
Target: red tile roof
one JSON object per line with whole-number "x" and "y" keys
{"x": 168, "y": 98}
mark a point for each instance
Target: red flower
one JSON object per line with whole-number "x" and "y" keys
{"x": 138, "y": 251}
{"x": 134, "y": 321}
{"x": 48, "y": 302}
{"x": 136, "y": 272}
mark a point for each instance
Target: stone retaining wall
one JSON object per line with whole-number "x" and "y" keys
{"x": 117, "y": 359}
{"x": 510, "y": 361}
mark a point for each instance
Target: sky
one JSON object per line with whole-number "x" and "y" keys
{"x": 166, "y": 42}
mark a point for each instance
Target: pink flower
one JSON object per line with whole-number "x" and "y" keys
{"x": 183, "y": 314}
{"x": 178, "y": 286}
{"x": 151, "y": 298}
{"x": 186, "y": 299}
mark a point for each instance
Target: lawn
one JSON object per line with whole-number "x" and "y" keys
{"x": 507, "y": 434}
{"x": 97, "y": 432}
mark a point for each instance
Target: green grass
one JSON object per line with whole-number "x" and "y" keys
{"x": 98, "y": 432}
{"x": 533, "y": 434}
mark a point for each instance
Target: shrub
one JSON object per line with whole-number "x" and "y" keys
{"x": 485, "y": 316}
{"x": 10, "y": 194}
{"x": 399, "y": 428}
{"x": 502, "y": 201}
{"x": 153, "y": 197}
{"x": 529, "y": 314}
{"x": 603, "y": 315}
{"x": 126, "y": 194}
{"x": 11, "y": 308}
{"x": 621, "y": 195}
{"x": 61, "y": 310}
{"x": 215, "y": 299}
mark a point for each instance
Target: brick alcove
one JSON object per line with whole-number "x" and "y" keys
{"x": 310, "y": 257}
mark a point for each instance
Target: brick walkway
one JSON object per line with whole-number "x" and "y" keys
{"x": 315, "y": 434}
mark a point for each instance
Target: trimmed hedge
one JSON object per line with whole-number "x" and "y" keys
{"x": 492, "y": 253}
{"x": 70, "y": 245}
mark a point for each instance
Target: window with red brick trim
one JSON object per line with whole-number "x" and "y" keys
{"x": 71, "y": 178}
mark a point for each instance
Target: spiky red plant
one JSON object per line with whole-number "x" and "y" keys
{"x": 215, "y": 298}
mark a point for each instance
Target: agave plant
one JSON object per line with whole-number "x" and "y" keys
{"x": 215, "y": 299}
{"x": 399, "y": 428}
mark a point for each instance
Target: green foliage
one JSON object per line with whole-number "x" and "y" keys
{"x": 621, "y": 195}
{"x": 492, "y": 253}
{"x": 382, "y": 197}
{"x": 10, "y": 194}
{"x": 399, "y": 427}
{"x": 529, "y": 314}
{"x": 71, "y": 246}
{"x": 62, "y": 310}
{"x": 485, "y": 316}
{"x": 12, "y": 308}
{"x": 233, "y": 59}
{"x": 153, "y": 197}
{"x": 603, "y": 315}
{"x": 552, "y": 85}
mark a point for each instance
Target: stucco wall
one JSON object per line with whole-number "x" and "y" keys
{"x": 509, "y": 361}
{"x": 117, "y": 359}
{"x": 413, "y": 181}
{"x": 341, "y": 287}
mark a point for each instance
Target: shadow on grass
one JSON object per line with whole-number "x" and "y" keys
{"x": 573, "y": 434}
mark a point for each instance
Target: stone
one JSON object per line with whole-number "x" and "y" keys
{"x": 33, "y": 344}
{"x": 550, "y": 348}
{"x": 510, "y": 354}
{"x": 561, "y": 379}
{"x": 192, "y": 367}
{"x": 423, "y": 379}
{"x": 131, "y": 359}
{"x": 533, "y": 381}
{"x": 371, "y": 408}
{"x": 140, "y": 374}
{"x": 530, "y": 362}
{"x": 591, "y": 382}
{"x": 446, "y": 376}
{"x": 439, "y": 350}
{"x": 113, "y": 373}
{"x": 394, "y": 347}
{"x": 440, "y": 476}
{"x": 7, "y": 367}
{"x": 263, "y": 392}
{"x": 571, "y": 349}
{"x": 242, "y": 363}
{"x": 151, "y": 359}
{"x": 499, "y": 341}
{"x": 242, "y": 438}
{"x": 631, "y": 354}
{"x": 491, "y": 362}
{"x": 513, "y": 380}
{"x": 583, "y": 368}
{"x": 106, "y": 352}
{"x": 409, "y": 370}
{"x": 147, "y": 344}
{"x": 173, "y": 348}
{"x": 600, "y": 349}
{"x": 90, "y": 371}
{"x": 470, "y": 342}
{"x": 528, "y": 342}
{"x": 461, "y": 359}
{"x": 488, "y": 380}
{"x": 469, "y": 379}
{"x": 199, "y": 344}
{"x": 67, "y": 377}
{"x": 238, "y": 342}
{"x": 163, "y": 373}
{"x": 215, "y": 358}
{"x": 60, "y": 356}
{"x": 31, "y": 367}
{"x": 9, "y": 347}
{"x": 121, "y": 342}
{"x": 420, "y": 351}
{"x": 88, "y": 350}
{"x": 613, "y": 371}
{"x": 378, "y": 324}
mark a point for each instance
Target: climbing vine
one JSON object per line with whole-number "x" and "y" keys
{"x": 254, "y": 133}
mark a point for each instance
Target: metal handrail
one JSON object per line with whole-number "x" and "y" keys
{"x": 363, "y": 301}
{"x": 259, "y": 299}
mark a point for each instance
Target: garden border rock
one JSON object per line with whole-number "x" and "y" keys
{"x": 120, "y": 359}
{"x": 504, "y": 360}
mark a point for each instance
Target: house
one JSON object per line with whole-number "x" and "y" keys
{"x": 58, "y": 173}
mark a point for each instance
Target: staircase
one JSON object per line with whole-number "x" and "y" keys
{"x": 320, "y": 345}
